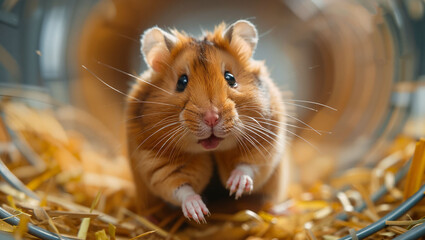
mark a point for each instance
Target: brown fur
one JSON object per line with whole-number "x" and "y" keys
{"x": 163, "y": 160}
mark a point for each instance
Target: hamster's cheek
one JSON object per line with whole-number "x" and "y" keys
{"x": 181, "y": 116}
{"x": 230, "y": 142}
{"x": 191, "y": 144}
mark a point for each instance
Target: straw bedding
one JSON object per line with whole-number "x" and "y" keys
{"x": 70, "y": 163}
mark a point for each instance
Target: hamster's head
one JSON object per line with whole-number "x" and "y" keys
{"x": 204, "y": 94}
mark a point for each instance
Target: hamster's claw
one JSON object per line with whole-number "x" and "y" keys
{"x": 239, "y": 183}
{"x": 194, "y": 208}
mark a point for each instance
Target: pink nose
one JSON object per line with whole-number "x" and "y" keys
{"x": 211, "y": 118}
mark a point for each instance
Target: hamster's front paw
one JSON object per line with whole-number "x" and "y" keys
{"x": 193, "y": 207}
{"x": 239, "y": 182}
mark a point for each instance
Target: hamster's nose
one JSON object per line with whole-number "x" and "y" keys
{"x": 211, "y": 117}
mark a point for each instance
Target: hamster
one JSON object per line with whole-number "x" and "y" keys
{"x": 205, "y": 104}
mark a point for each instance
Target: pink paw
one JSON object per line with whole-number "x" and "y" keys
{"x": 194, "y": 208}
{"x": 239, "y": 182}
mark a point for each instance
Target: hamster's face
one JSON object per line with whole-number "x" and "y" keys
{"x": 206, "y": 94}
{"x": 211, "y": 84}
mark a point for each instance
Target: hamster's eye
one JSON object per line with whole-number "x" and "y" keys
{"x": 182, "y": 83}
{"x": 230, "y": 79}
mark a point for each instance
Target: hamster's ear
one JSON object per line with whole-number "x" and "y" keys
{"x": 242, "y": 35}
{"x": 156, "y": 46}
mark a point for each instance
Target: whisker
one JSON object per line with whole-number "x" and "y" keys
{"x": 160, "y": 138}
{"x": 174, "y": 144}
{"x": 144, "y": 115}
{"x": 301, "y": 106}
{"x": 171, "y": 68}
{"x": 312, "y": 102}
{"x": 241, "y": 140}
{"x": 252, "y": 129}
{"x": 249, "y": 139}
{"x": 291, "y": 102}
{"x": 264, "y": 129}
{"x": 126, "y": 37}
{"x": 192, "y": 111}
{"x": 284, "y": 130}
{"x": 135, "y": 99}
{"x": 241, "y": 144}
{"x": 136, "y": 136}
{"x": 193, "y": 121}
{"x": 266, "y": 32}
{"x": 266, "y": 119}
{"x": 267, "y": 122}
{"x": 255, "y": 120}
{"x": 159, "y": 103}
{"x": 168, "y": 125}
{"x": 295, "y": 126}
{"x": 305, "y": 124}
{"x": 133, "y": 76}
{"x": 255, "y": 145}
{"x": 118, "y": 91}
{"x": 245, "y": 103}
{"x": 258, "y": 122}
{"x": 252, "y": 110}
{"x": 283, "y": 123}
{"x": 172, "y": 153}
{"x": 261, "y": 128}
{"x": 157, "y": 124}
{"x": 171, "y": 134}
{"x": 309, "y": 143}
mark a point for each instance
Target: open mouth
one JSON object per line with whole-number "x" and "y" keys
{"x": 211, "y": 142}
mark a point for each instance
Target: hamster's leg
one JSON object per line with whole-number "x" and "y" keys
{"x": 276, "y": 188}
{"x": 245, "y": 175}
{"x": 240, "y": 180}
{"x": 145, "y": 199}
{"x": 192, "y": 204}
{"x": 179, "y": 181}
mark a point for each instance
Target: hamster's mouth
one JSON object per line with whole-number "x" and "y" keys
{"x": 211, "y": 142}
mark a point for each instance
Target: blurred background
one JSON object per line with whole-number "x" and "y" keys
{"x": 365, "y": 58}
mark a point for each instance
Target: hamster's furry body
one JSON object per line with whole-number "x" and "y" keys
{"x": 205, "y": 102}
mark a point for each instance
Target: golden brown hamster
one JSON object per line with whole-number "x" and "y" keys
{"x": 205, "y": 102}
